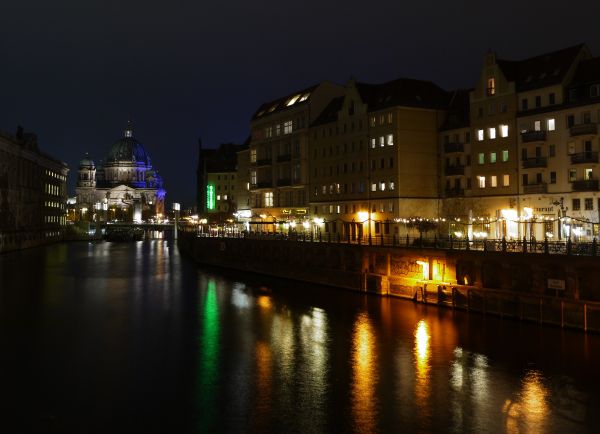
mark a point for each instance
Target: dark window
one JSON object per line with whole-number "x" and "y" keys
{"x": 551, "y": 150}
{"x": 468, "y": 182}
{"x": 524, "y": 154}
{"x": 587, "y": 118}
{"x": 552, "y": 98}
{"x": 576, "y": 204}
{"x": 538, "y": 178}
{"x": 468, "y": 137}
{"x": 570, "y": 121}
{"x": 525, "y": 179}
{"x": 524, "y": 104}
{"x": 552, "y": 177}
{"x": 589, "y": 204}
{"x": 538, "y": 101}
{"x": 573, "y": 94}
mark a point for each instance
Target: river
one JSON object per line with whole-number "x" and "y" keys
{"x": 132, "y": 337}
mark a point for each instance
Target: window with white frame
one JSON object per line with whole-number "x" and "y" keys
{"x": 287, "y": 127}
{"x": 504, "y": 130}
{"x": 392, "y": 185}
{"x": 269, "y": 198}
{"x": 373, "y": 187}
{"x": 537, "y": 125}
{"x": 390, "y": 139}
{"x": 492, "y": 132}
{"x": 373, "y": 142}
{"x": 382, "y": 186}
{"x": 494, "y": 181}
{"x": 506, "y": 180}
{"x": 480, "y": 135}
{"x": 551, "y": 124}
{"x": 382, "y": 141}
{"x": 481, "y": 181}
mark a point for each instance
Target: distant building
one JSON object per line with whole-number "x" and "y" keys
{"x": 32, "y": 193}
{"x": 124, "y": 187}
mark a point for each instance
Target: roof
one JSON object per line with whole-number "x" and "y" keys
{"x": 293, "y": 100}
{"x": 540, "y": 71}
{"x": 403, "y": 92}
{"x": 329, "y": 113}
{"x": 128, "y": 149}
{"x": 588, "y": 71}
{"x": 458, "y": 110}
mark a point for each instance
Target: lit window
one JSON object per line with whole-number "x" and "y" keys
{"x": 247, "y": 186}
{"x": 390, "y": 140}
{"x": 505, "y": 156}
{"x": 373, "y": 142}
{"x": 372, "y": 121}
{"x": 292, "y": 100}
{"x": 253, "y": 155}
{"x": 492, "y": 157}
{"x": 373, "y": 187}
{"x": 277, "y": 129}
{"x": 337, "y": 209}
{"x": 382, "y": 141}
{"x": 218, "y": 197}
{"x": 269, "y": 198}
{"x": 494, "y": 181}
{"x": 381, "y": 119}
{"x": 304, "y": 97}
{"x": 392, "y": 185}
{"x": 551, "y": 124}
{"x": 492, "y": 133}
{"x": 537, "y": 126}
{"x": 480, "y": 135}
{"x": 481, "y": 158}
{"x": 572, "y": 175}
{"x": 390, "y": 117}
{"x": 224, "y": 197}
{"x": 382, "y": 186}
{"x": 506, "y": 180}
{"x": 287, "y": 127}
{"x": 491, "y": 86}
{"x": 253, "y": 177}
{"x": 504, "y": 130}
{"x": 481, "y": 181}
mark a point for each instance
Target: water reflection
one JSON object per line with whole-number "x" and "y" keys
{"x": 364, "y": 361}
{"x": 422, "y": 353}
{"x": 263, "y": 404}
{"x": 529, "y": 411}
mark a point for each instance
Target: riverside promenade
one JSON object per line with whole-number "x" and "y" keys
{"x": 549, "y": 283}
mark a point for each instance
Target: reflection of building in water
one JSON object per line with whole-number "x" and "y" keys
{"x": 32, "y": 193}
{"x": 124, "y": 187}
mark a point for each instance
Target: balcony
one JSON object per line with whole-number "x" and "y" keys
{"x": 583, "y": 129}
{"x": 455, "y": 170}
{"x": 530, "y": 163}
{"x": 453, "y": 147}
{"x": 584, "y": 157}
{"x": 585, "y": 185}
{"x": 264, "y": 184}
{"x": 455, "y": 192}
{"x": 284, "y": 182}
{"x": 535, "y": 188}
{"x": 533, "y": 136}
{"x": 283, "y": 158}
{"x": 264, "y": 162}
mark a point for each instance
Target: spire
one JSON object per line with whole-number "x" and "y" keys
{"x": 129, "y": 129}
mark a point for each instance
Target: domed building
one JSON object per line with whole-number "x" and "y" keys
{"x": 124, "y": 186}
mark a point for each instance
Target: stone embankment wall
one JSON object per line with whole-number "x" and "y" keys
{"x": 525, "y": 286}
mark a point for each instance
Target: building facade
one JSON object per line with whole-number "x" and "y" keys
{"x": 124, "y": 187}
{"x": 33, "y": 193}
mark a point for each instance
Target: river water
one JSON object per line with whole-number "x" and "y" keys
{"x": 105, "y": 337}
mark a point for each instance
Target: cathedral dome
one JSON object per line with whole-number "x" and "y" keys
{"x": 87, "y": 163}
{"x": 128, "y": 149}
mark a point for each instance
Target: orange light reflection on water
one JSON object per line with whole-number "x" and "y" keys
{"x": 364, "y": 403}
{"x": 529, "y": 412}
{"x": 422, "y": 352}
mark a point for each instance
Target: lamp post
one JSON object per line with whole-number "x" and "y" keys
{"x": 176, "y": 208}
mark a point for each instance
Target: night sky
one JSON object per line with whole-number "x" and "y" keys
{"x": 74, "y": 71}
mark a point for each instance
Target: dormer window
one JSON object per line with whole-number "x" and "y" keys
{"x": 491, "y": 86}
{"x": 595, "y": 90}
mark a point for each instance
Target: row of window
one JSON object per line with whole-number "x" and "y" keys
{"x": 354, "y": 208}
{"x": 493, "y": 181}
{"x": 355, "y": 167}
{"x": 51, "y": 204}
{"x": 492, "y": 132}
{"x": 383, "y": 141}
{"x": 337, "y": 188}
{"x": 382, "y": 119}
{"x": 55, "y": 219}
{"x": 287, "y": 129}
{"x": 55, "y": 175}
{"x": 52, "y": 189}
{"x": 588, "y": 204}
{"x": 218, "y": 186}
{"x": 492, "y": 157}
{"x": 224, "y": 197}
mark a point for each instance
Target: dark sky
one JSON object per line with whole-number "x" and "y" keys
{"x": 73, "y": 70}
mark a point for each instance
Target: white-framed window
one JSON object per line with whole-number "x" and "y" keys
{"x": 373, "y": 142}
{"x": 390, "y": 139}
{"x": 218, "y": 197}
{"x": 504, "y": 130}
{"x": 373, "y": 187}
{"x": 338, "y": 209}
{"x": 269, "y": 199}
{"x": 492, "y": 132}
{"x": 506, "y": 180}
{"x": 551, "y": 124}
{"x": 481, "y": 181}
{"x": 287, "y": 127}
{"x": 382, "y": 186}
{"x": 537, "y": 125}
{"x": 382, "y": 141}
{"x": 494, "y": 181}
{"x": 392, "y": 185}
{"x": 480, "y": 135}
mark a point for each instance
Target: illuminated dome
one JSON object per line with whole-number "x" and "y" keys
{"x": 87, "y": 163}
{"x": 128, "y": 149}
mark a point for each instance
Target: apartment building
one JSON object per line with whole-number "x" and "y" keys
{"x": 278, "y": 152}
{"x": 373, "y": 157}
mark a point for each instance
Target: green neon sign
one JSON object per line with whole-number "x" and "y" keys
{"x": 210, "y": 196}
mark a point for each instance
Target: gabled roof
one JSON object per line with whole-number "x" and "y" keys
{"x": 287, "y": 102}
{"x": 403, "y": 92}
{"x": 458, "y": 115}
{"x": 588, "y": 71}
{"x": 540, "y": 71}
{"x": 329, "y": 113}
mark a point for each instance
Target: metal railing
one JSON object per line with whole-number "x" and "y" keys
{"x": 522, "y": 246}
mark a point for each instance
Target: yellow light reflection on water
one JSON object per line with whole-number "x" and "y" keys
{"x": 264, "y": 301}
{"x": 263, "y": 403}
{"x": 530, "y": 411}
{"x": 364, "y": 403}
{"x": 422, "y": 353}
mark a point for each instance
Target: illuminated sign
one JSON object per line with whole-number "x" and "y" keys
{"x": 210, "y": 196}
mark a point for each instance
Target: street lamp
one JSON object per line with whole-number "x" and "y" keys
{"x": 176, "y": 208}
